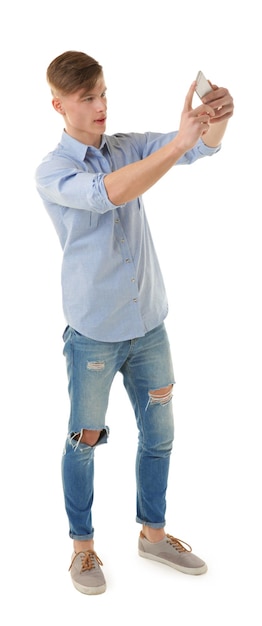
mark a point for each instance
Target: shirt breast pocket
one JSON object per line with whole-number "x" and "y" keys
{"x": 92, "y": 219}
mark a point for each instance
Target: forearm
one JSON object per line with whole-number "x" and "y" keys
{"x": 215, "y": 134}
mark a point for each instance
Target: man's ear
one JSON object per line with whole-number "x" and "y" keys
{"x": 57, "y": 104}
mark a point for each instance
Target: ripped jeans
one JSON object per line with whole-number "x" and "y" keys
{"x": 146, "y": 366}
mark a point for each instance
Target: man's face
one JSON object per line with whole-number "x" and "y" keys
{"x": 84, "y": 113}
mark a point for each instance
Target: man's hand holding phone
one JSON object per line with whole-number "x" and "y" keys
{"x": 217, "y": 97}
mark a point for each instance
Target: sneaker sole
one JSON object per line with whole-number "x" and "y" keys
{"x": 186, "y": 570}
{"x": 90, "y": 591}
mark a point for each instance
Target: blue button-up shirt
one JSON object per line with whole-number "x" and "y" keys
{"x": 112, "y": 286}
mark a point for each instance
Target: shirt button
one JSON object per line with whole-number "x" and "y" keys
{"x": 133, "y": 280}
{"x": 134, "y": 299}
{"x": 117, "y": 220}
{"x": 127, "y": 260}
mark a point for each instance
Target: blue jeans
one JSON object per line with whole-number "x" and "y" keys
{"x": 146, "y": 366}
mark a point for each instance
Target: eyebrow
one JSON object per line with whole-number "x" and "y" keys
{"x": 90, "y": 93}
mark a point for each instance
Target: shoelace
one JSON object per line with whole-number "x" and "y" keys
{"x": 88, "y": 559}
{"x": 178, "y": 544}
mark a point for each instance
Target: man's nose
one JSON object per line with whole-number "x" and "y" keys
{"x": 101, "y": 104}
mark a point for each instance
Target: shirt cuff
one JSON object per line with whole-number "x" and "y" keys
{"x": 207, "y": 150}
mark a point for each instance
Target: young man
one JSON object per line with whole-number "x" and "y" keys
{"x": 114, "y": 298}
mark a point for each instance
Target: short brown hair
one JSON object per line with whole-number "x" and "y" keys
{"x": 72, "y": 71}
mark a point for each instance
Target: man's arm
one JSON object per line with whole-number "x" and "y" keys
{"x": 207, "y": 121}
{"x": 222, "y": 103}
{"x": 132, "y": 180}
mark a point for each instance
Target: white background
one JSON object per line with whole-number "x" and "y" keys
{"x": 206, "y": 224}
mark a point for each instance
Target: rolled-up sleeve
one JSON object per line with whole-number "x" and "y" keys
{"x": 154, "y": 141}
{"x": 199, "y": 151}
{"x": 71, "y": 187}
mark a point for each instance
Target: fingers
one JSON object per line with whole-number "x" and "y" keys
{"x": 223, "y": 114}
{"x": 189, "y": 97}
{"x": 222, "y": 103}
{"x": 217, "y": 106}
{"x": 203, "y": 122}
{"x": 219, "y": 97}
{"x": 206, "y": 107}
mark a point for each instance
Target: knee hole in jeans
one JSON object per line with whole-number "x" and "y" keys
{"x": 161, "y": 396}
{"x": 89, "y": 437}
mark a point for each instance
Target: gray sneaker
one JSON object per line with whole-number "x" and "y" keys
{"x": 86, "y": 573}
{"x": 172, "y": 552}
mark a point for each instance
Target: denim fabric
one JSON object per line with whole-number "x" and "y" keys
{"x": 146, "y": 366}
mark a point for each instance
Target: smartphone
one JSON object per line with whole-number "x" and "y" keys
{"x": 202, "y": 86}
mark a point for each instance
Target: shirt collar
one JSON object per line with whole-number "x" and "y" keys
{"x": 78, "y": 149}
